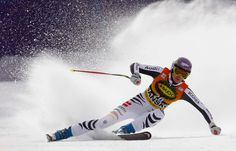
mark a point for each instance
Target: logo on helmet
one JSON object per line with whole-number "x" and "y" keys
{"x": 184, "y": 64}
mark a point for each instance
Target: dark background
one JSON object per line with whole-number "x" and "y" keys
{"x": 29, "y": 27}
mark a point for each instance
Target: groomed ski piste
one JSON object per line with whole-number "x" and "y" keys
{"x": 53, "y": 98}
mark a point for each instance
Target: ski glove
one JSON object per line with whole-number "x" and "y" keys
{"x": 215, "y": 130}
{"x": 135, "y": 78}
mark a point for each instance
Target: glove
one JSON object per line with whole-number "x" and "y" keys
{"x": 135, "y": 78}
{"x": 215, "y": 130}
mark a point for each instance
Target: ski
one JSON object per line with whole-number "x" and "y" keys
{"x": 136, "y": 136}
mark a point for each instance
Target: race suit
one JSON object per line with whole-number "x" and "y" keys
{"x": 147, "y": 108}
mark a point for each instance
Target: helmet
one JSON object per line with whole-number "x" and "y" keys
{"x": 183, "y": 63}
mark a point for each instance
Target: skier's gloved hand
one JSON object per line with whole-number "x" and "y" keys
{"x": 135, "y": 78}
{"x": 215, "y": 130}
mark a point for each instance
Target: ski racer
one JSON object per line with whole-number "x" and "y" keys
{"x": 147, "y": 108}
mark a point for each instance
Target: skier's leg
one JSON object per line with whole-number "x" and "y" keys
{"x": 133, "y": 108}
{"x": 122, "y": 112}
{"x": 146, "y": 120}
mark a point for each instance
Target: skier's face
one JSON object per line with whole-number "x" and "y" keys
{"x": 181, "y": 72}
{"x": 179, "y": 75}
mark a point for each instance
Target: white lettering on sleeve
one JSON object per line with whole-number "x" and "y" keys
{"x": 198, "y": 102}
{"x": 152, "y": 68}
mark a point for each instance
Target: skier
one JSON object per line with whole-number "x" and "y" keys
{"x": 147, "y": 108}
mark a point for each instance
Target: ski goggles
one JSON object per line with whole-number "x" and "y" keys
{"x": 181, "y": 72}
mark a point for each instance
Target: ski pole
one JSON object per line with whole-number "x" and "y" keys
{"x": 104, "y": 73}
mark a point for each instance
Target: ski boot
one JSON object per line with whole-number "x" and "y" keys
{"x": 59, "y": 135}
{"x": 126, "y": 129}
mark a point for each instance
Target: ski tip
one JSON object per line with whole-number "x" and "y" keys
{"x": 49, "y": 138}
{"x": 148, "y": 134}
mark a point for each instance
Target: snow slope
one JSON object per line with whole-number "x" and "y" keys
{"x": 53, "y": 98}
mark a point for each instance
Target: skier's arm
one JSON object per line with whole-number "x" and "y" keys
{"x": 190, "y": 97}
{"x": 145, "y": 69}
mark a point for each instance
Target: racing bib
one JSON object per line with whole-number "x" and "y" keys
{"x": 160, "y": 93}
